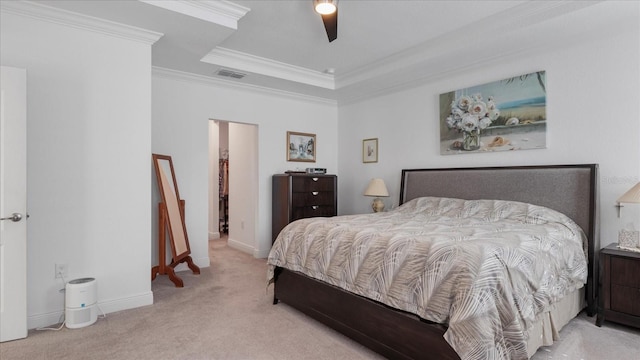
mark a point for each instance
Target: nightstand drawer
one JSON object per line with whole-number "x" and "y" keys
{"x": 625, "y": 299}
{"x": 625, "y": 272}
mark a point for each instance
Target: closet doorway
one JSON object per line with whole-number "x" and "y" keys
{"x": 223, "y": 177}
{"x": 233, "y": 199}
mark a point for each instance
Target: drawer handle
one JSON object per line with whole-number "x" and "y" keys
{"x": 314, "y": 207}
{"x": 314, "y": 193}
{"x": 314, "y": 179}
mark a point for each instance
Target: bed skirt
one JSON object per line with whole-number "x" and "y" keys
{"x": 547, "y": 328}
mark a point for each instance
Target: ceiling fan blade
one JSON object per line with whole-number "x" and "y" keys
{"x": 331, "y": 25}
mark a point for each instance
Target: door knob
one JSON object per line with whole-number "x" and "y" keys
{"x": 15, "y": 217}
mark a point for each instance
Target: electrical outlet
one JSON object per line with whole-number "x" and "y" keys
{"x": 61, "y": 271}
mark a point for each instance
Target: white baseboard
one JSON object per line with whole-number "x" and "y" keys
{"x": 235, "y": 244}
{"x": 131, "y": 302}
{"x": 43, "y": 320}
{"x": 257, "y": 253}
{"x": 214, "y": 235}
{"x": 261, "y": 254}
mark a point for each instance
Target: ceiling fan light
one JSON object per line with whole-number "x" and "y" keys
{"x": 325, "y": 7}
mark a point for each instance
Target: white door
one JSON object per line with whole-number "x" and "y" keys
{"x": 13, "y": 204}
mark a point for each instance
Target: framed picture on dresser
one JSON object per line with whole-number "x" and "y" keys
{"x": 301, "y": 146}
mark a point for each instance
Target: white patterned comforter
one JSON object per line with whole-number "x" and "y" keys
{"x": 485, "y": 268}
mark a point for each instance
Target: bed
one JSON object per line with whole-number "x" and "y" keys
{"x": 401, "y": 331}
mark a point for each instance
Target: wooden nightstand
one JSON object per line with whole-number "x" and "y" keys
{"x": 619, "y": 286}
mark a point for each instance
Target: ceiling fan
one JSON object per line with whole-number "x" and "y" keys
{"x": 328, "y": 9}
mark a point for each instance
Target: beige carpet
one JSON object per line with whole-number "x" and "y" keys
{"x": 227, "y": 313}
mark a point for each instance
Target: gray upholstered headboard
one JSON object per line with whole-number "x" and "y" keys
{"x": 570, "y": 189}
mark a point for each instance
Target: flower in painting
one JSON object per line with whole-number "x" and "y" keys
{"x": 469, "y": 122}
{"x": 452, "y": 121}
{"x": 463, "y": 103}
{"x": 484, "y": 122}
{"x": 472, "y": 113}
{"x": 457, "y": 113}
{"x": 478, "y": 108}
{"x": 493, "y": 114}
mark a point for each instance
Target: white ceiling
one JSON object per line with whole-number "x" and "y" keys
{"x": 381, "y": 45}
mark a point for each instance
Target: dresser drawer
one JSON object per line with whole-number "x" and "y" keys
{"x": 313, "y": 198}
{"x": 625, "y": 272}
{"x": 300, "y": 212}
{"x": 312, "y": 183}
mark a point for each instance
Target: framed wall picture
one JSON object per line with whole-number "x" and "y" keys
{"x": 370, "y": 150}
{"x": 301, "y": 146}
{"x": 505, "y": 115}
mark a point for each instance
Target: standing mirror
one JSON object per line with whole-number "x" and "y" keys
{"x": 170, "y": 222}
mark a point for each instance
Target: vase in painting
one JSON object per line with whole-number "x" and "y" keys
{"x": 471, "y": 140}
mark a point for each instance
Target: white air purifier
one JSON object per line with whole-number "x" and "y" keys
{"x": 81, "y": 308}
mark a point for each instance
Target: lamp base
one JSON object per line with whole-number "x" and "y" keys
{"x": 377, "y": 205}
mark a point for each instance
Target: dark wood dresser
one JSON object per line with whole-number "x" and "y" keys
{"x": 619, "y": 286}
{"x": 298, "y": 196}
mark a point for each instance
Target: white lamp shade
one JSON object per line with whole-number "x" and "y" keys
{"x": 376, "y": 187}
{"x": 631, "y": 196}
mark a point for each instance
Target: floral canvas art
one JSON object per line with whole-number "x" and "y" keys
{"x": 505, "y": 115}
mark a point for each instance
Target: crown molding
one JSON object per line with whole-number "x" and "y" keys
{"x": 78, "y": 21}
{"x": 522, "y": 16}
{"x": 170, "y": 74}
{"x": 448, "y": 71}
{"x": 220, "y": 12}
{"x": 259, "y": 65}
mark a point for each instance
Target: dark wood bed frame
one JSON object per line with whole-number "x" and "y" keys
{"x": 570, "y": 189}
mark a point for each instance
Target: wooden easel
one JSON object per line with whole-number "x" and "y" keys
{"x": 169, "y": 269}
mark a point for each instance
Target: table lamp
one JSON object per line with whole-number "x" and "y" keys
{"x": 378, "y": 189}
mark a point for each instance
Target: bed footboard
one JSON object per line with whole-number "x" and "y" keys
{"x": 389, "y": 332}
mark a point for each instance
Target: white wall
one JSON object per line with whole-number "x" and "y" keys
{"x": 214, "y": 195}
{"x": 182, "y": 107}
{"x": 89, "y": 166}
{"x": 593, "y": 87}
{"x": 243, "y": 189}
